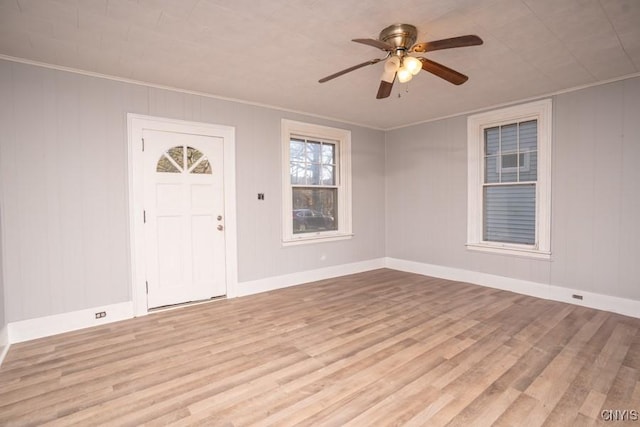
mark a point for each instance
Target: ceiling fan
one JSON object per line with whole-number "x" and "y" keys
{"x": 399, "y": 41}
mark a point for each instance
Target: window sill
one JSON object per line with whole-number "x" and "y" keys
{"x": 315, "y": 239}
{"x": 509, "y": 250}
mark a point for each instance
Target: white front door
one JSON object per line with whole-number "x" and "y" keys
{"x": 184, "y": 236}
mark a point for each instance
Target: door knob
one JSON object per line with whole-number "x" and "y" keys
{"x": 220, "y": 227}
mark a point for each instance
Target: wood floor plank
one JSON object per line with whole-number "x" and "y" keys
{"x": 518, "y": 412}
{"x": 376, "y": 348}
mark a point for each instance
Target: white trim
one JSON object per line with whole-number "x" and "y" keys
{"x": 506, "y": 249}
{"x": 179, "y": 90}
{"x": 343, "y": 138}
{"x": 40, "y": 327}
{"x": 136, "y": 123}
{"x": 288, "y": 110}
{"x": 4, "y": 343}
{"x": 476, "y": 124}
{"x": 25, "y": 330}
{"x": 519, "y": 101}
{"x": 278, "y": 282}
{"x": 30, "y": 329}
{"x": 627, "y": 307}
{"x": 317, "y": 238}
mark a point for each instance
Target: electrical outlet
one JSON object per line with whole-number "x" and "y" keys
{"x": 101, "y": 314}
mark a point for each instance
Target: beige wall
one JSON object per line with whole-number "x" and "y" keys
{"x": 3, "y": 321}
{"x": 64, "y": 201}
{"x": 64, "y": 185}
{"x": 595, "y": 237}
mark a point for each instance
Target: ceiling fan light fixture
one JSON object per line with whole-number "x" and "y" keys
{"x": 414, "y": 65}
{"x": 398, "y": 42}
{"x": 404, "y": 75}
{"x": 392, "y": 64}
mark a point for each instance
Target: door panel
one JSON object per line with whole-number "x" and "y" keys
{"x": 168, "y": 197}
{"x": 183, "y": 198}
{"x": 200, "y": 200}
{"x": 203, "y": 252}
{"x": 169, "y": 251}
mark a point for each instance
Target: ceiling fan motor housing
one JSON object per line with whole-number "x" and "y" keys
{"x": 401, "y": 36}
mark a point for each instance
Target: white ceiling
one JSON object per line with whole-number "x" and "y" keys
{"x": 273, "y": 52}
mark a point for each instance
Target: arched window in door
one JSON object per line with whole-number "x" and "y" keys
{"x": 183, "y": 159}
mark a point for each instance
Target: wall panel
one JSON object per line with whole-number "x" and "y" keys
{"x": 595, "y": 195}
{"x": 5, "y": 118}
{"x": 65, "y": 190}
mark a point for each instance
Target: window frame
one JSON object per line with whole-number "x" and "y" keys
{"x": 342, "y": 138}
{"x": 476, "y": 125}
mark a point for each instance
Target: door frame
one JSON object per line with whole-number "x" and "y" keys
{"x": 136, "y": 123}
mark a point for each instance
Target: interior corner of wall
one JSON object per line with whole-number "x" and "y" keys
{"x": 4, "y": 343}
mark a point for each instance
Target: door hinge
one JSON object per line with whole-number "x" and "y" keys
{"x": 144, "y": 217}
{"x": 147, "y": 285}
{"x": 142, "y": 144}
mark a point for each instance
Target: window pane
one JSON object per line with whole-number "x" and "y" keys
{"x": 314, "y": 209}
{"x": 328, "y": 175}
{"x": 328, "y": 154}
{"x": 296, "y": 150}
{"x": 491, "y": 169}
{"x": 509, "y": 138}
{"x": 510, "y": 214}
{"x": 514, "y": 147}
{"x": 529, "y": 136}
{"x": 529, "y": 147}
{"x": 529, "y": 166}
{"x": 177, "y": 154}
{"x": 491, "y": 141}
{"x": 165, "y": 166}
{"x": 204, "y": 167}
{"x": 509, "y": 167}
{"x": 314, "y": 174}
{"x": 193, "y": 155}
{"x": 298, "y": 173}
{"x": 509, "y": 161}
{"x": 314, "y": 152}
{"x": 312, "y": 162}
{"x": 311, "y": 174}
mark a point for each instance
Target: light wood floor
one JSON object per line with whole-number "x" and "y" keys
{"x": 372, "y": 349}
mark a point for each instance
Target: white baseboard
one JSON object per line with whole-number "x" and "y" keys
{"x": 627, "y": 307}
{"x": 4, "y": 343}
{"x": 25, "y": 330}
{"x": 293, "y": 279}
{"x": 30, "y": 329}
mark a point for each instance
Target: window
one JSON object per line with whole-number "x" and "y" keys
{"x": 316, "y": 182}
{"x": 509, "y": 188}
{"x": 175, "y": 159}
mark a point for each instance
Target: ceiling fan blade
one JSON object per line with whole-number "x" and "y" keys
{"x": 452, "y": 76}
{"x": 384, "y": 90}
{"x": 348, "y": 70}
{"x": 462, "y": 41}
{"x": 375, "y": 43}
